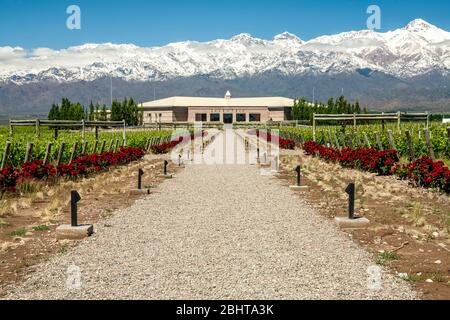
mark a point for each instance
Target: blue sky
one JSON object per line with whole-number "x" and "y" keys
{"x": 42, "y": 23}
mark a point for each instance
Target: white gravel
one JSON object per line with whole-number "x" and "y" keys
{"x": 215, "y": 232}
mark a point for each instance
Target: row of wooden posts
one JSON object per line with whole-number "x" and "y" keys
{"x": 112, "y": 147}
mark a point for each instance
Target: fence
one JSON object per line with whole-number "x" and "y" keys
{"x": 398, "y": 117}
{"x": 60, "y": 124}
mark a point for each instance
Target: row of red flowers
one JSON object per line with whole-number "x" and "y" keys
{"x": 426, "y": 173}
{"x": 282, "y": 142}
{"x": 11, "y": 177}
{"x": 168, "y": 146}
{"x": 367, "y": 159}
{"x": 423, "y": 172}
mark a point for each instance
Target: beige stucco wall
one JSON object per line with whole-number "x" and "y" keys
{"x": 263, "y": 111}
{"x": 180, "y": 114}
{"x": 155, "y": 115}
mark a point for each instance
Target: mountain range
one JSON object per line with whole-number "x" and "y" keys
{"x": 404, "y": 69}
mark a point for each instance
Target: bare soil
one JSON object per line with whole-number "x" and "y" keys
{"x": 409, "y": 225}
{"x": 27, "y": 228}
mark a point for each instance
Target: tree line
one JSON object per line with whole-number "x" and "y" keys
{"x": 127, "y": 110}
{"x": 304, "y": 110}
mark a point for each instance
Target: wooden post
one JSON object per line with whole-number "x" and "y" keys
{"x": 391, "y": 140}
{"x": 323, "y": 138}
{"x": 124, "y": 136}
{"x": 85, "y": 146}
{"x": 357, "y": 141}
{"x": 448, "y": 133}
{"x": 94, "y": 148}
{"x": 56, "y": 134}
{"x": 74, "y": 152}
{"x": 399, "y": 117}
{"x": 349, "y": 141}
{"x": 410, "y": 145}
{"x": 111, "y": 145}
{"x": 336, "y": 140}
{"x": 48, "y": 153}
{"x": 344, "y": 144}
{"x": 428, "y": 120}
{"x": 60, "y": 153}
{"x": 380, "y": 145}
{"x": 6, "y": 154}
{"x": 428, "y": 141}
{"x": 354, "y": 121}
{"x": 330, "y": 138}
{"x": 83, "y": 130}
{"x": 11, "y": 129}
{"x": 314, "y": 127}
{"x": 366, "y": 140}
{"x": 96, "y": 132}
{"x": 29, "y": 152}
{"x": 38, "y": 131}
{"x": 102, "y": 147}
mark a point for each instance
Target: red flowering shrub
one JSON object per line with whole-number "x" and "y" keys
{"x": 283, "y": 143}
{"x": 99, "y": 162}
{"x": 287, "y": 144}
{"x": 367, "y": 159}
{"x": 426, "y": 173}
{"x": 164, "y": 147}
{"x": 37, "y": 170}
{"x": 11, "y": 177}
{"x": 8, "y": 179}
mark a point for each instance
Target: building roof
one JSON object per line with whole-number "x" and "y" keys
{"x": 220, "y": 102}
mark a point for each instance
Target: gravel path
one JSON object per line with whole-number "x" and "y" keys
{"x": 215, "y": 232}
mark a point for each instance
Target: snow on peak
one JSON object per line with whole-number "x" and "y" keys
{"x": 427, "y": 31}
{"x": 287, "y": 36}
{"x": 414, "y": 50}
{"x": 242, "y": 37}
{"x": 418, "y": 25}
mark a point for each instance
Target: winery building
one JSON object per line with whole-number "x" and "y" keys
{"x": 220, "y": 110}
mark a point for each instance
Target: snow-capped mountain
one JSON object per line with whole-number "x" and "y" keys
{"x": 417, "y": 49}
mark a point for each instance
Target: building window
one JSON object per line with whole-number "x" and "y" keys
{"x": 241, "y": 117}
{"x": 255, "y": 117}
{"x": 200, "y": 117}
{"x": 227, "y": 118}
{"x": 214, "y": 117}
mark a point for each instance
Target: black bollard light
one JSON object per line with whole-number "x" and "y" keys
{"x": 351, "y": 200}
{"x": 179, "y": 160}
{"x": 165, "y": 167}
{"x": 140, "y": 174}
{"x": 257, "y": 150}
{"x": 297, "y": 169}
{"x": 74, "y": 198}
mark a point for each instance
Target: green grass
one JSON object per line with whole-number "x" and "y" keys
{"x": 386, "y": 257}
{"x": 41, "y": 228}
{"x": 413, "y": 278}
{"x": 18, "y": 233}
{"x": 437, "y": 277}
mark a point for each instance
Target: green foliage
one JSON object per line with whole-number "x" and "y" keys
{"x": 67, "y": 111}
{"x": 438, "y": 132}
{"x": 127, "y": 110}
{"x": 41, "y": 228}
{"x": 304, "y": 110}
{"x": 386, "y": 257}
{"x": 26, "y": 134}
{"x": 18, "y": 233}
